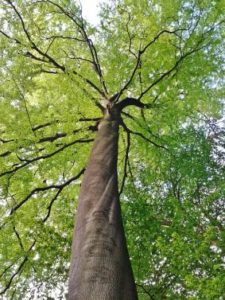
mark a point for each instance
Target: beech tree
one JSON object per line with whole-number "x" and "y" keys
{"x": 127, "y": 114}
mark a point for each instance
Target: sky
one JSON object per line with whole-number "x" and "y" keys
{"x": 90, "y": 10}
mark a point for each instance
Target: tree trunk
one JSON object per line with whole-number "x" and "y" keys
{"x": 100, "y": 267}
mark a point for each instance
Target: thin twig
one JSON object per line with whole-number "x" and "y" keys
{"x": 45, "y": 188}
{"x": 125, "y": 162}
{"x": 30, "y": 161}
{"x": 8, "y": 285}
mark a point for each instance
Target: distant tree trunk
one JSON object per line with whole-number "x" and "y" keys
{"x": 100, "y": 265}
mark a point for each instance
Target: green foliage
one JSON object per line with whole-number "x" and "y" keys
{"x": 55, "y": 71}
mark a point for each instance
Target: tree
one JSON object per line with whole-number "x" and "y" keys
{"x": 148, "y": 80}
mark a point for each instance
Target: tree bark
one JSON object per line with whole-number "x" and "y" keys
{"x": 100, "y": 266}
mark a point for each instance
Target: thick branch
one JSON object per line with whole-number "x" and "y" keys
{"x": 131, "y": 101}
{"x": 6, "y": 153}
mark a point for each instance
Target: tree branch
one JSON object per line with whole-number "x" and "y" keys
{"x": 90, "y": 44}
{"x": 148, "y": 140}
{"x": 59, "y": 191}
{"x": 139, "y": 55}
{"x": 19, "y": 269}
{"x": 18, "y": 237}
{"x": 175, "y": 66}
{"x": 59, "y": 187}
{"x": 145, "y": 291}
{"x": 142, "y": 136}
{"x": 130, "y": 101}
{"x": 44, "y": 54}
{"x": 125, "y": 160}
{"x": 81, "y": 141}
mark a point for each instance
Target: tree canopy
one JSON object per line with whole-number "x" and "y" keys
{"x": 57, "y": 71}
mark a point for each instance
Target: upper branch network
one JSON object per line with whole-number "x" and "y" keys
{"x": 35, "y": 52}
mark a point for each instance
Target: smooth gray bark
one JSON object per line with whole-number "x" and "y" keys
{"x": 100, "y": 266}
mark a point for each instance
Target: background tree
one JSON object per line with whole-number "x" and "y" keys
{"x": 57, "y": 73}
